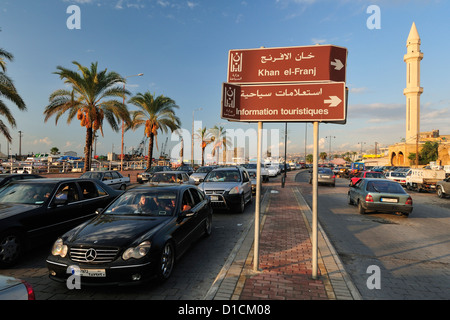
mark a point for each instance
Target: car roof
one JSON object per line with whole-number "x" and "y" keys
{"x": 165, "y": 187}
{"x": 227, "y": 168}
{"x": 168, "y": 171}
{"x": 53, "y": 180}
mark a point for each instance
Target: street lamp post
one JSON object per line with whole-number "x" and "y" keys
{"x": 192, "y": 136}
{"x": 121, "y": 152}
{"x": 329, "y": 152}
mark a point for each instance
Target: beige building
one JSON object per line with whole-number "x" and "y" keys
{"x": 398, "y": 153}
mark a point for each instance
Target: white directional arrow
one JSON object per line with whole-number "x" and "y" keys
{"x": 334, "y": 101}
{"x": 337, "y": 64}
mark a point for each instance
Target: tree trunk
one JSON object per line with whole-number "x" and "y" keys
{"x": 87, "y": 150}
{"x": 150, "y": 151}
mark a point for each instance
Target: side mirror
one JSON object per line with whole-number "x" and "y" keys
{"x": 99, "y": 211}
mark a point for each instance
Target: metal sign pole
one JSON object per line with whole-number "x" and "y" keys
{"x": 258, "y": 199}
{"x": 314, "y": 202}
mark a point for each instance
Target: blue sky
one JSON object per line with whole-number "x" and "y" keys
{"x": 182, "y": 49}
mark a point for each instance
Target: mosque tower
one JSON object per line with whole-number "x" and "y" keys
{"x": 413, "y": 90}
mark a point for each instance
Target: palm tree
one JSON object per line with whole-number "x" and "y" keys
{"x": 156, "y": 114}
{"x": 89, "y": 101}
{"x": 206, "y": 138}
{"x": 220, "y": 140}
{"x": 323, "y": 156}
{"x": 8, "y": 91}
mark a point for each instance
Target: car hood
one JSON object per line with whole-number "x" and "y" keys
{"x": 198, "y": 175}
{"x": 10, "y": 209}
{"x": 218, "y": 185}
{"x": 111, "y": 230}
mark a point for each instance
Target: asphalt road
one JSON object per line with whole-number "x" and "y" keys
{"x": 410, "y": 255}
{"x": 192, "y": 277}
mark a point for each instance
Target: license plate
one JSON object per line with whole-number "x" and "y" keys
{"x": 325, "y": 177}
{"x": 93, "y": 273}
{"x": 214, "y": 198}
{"x": 389, "y": 200}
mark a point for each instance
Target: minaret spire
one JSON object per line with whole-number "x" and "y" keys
{"x": 413, "y": 90}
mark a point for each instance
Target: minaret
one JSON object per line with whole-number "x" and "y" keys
{"x": 413, "y": 90}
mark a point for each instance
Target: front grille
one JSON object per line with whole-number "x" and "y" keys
{"x": 93, "y": 255}
{"x": 213, "y": 192}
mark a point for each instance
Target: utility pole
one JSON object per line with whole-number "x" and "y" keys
{"x": 20, "y": 144}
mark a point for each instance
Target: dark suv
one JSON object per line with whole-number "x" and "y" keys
{"x": 228, "y": 188}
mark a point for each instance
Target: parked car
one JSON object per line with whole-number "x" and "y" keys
{"x": 6, "y": 178}
{"x": 366, "y": 174}
{"x": 188, "y": 169}
{"x": 131, "y": 240}
{"x": 201, "y": 173}
{"x": 32, "y": 211}
{"x": 397, "y": 176}
{"x": 15, "y": 289}
{"x": 228, "y": 188}
{"x": 443, "y": 188}
{"x": 113, "y": 179}
{"x": 324, "y": 176}
{"x": 164, "y": 177}
{"x": 147, "y": 174}
{"x": 380, "y": 195}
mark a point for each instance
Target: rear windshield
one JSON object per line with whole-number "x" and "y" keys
{"x": 385, "y": 187}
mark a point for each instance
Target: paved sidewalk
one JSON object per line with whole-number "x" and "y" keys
{"x": 285, "y": 256}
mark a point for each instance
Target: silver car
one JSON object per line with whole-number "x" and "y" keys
{"x": 324, "y": 176}
{"x": 443, "y": 188}
{"x": 228, "y": 188}
{"x": 201, "y": 173}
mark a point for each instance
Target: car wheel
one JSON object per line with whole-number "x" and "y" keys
{"x": 361, "y": 210}
{"x": 440, "y": 192}
{"x": 11, "y": 247}
{"x": 349, "y": 199}
{"x": 208, "y": 225}
{"x": 241, "y": 206}
{"x": 166, "y": 262}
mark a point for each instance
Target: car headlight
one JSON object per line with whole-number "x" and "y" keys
{"x": 59, "y": 248}
{"x": 137, "y": 252}
{"x": 234, "y": 190}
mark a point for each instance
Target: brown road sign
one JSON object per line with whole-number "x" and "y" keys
{"x": 287, "y": 64}
{"x": 299, "y": 102}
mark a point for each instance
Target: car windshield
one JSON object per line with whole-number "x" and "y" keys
{"x": 151, "y": 203}
{"x": 252, "y": 174}
{"x": 223, "y": 176}
{"x": 92, "y": 175}
{"x": 374, "y": 175}
{"x": 204, "y": 169}
{"x": 398, "y": 174}
{"x": 25, "y": 193}
{"x": 384, "y": 187}
{"x": 325, "y": 171}
{"x": 164, "y": 177}
{"x": 154, "y": 169}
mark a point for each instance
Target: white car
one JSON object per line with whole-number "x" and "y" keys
{"x": 400, "y": 177}
{"x": 112, "y": 179}
{"x": 273, "y": 171}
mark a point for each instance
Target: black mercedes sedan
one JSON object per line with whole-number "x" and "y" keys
{"x": 136, "y": 238}
{"x": 33, "y": 211}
